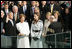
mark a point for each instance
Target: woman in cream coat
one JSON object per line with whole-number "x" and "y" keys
{"x": 47, "y": 22}
{"x": 23, "y": 28}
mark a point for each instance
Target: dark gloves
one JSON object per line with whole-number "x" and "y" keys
{"x": 35, "y": 38}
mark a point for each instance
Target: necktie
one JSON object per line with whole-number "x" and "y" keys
{"x": 15, "y": 15}
{"x": 24, "y": 9}
{"x": 33, "y": 10}
{"x": 6, "y": 11}
{"x": 51, "y": 8}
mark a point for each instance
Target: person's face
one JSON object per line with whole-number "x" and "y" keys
{"x": 43, "y": 2}
{"x": 24, "y": 2}
{"x": 52, "y": 2}
{"x": 55, "y": 14}
{"x": 33, "y": 3}
{"x": 66, "y": 11}
{"x": 15, "y": 10}
{"x": 48, "y": 16}
{"x": 20, "y": 3}
{"x": 6, "y": 6}
{"x": 2, "y": 14}
{"x": 35, "y": 17}
{"x": 22, "y": 19}
{"x": 11, "y": 15}
{"x": 36, "y": 10}
{"x": 37, "y": 4}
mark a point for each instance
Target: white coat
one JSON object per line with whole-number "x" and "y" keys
{"x": 23, "y": 41}
{"x": 37, "y": 26}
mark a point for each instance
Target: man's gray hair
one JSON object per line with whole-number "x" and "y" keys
{"x": 14, "y": 7}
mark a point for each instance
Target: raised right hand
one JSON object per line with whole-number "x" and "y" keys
{"x": 3, "y": 30}
{"x": 7, "y": 19}
{"x": 44, "y": 35}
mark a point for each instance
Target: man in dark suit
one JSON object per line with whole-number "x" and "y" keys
{"x": 43, "y": 7}
{"x": 52, "y": 7}
{"x": 25, "y": 10}
{"x": 56, "y": 26}
{"x": 6, "y": 8}
{"x": 10, "y": 29}
{"x": 9, "y": 25}
{"x": 16, "y": 14}
{"x": 32, "y": 8}
{"x": 66, "y": 19}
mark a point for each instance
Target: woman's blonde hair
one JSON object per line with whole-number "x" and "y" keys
{"x": 48, "y": 13}
{"x": 37, "y": 8}
{"x": 57, "y": 13}
{"x": 22, "y": 15}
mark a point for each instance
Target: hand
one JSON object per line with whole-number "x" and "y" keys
{"x": 35, "y": 38}
{"x": 7, "y": 19}
{"x": 3, "y": 30}
{"x": 2, "y": 16}
{"x": 30, "y": 19}
{"x": 44, "y": 35}
{"x": 51, "y": 20}
{"x": 62, "y": 8}
{"x": 20, "y": 34}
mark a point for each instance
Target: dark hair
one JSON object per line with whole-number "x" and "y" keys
{"x": 66, "y": 8}
{"x": 6, "y": 3}
{"x": 38, "y": 14}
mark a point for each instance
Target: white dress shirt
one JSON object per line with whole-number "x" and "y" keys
{"x": 7, "y": 11}
{"x": 12, "y": 22}
{"x": 33, "y": 9}
{"x": 24, "y": 8}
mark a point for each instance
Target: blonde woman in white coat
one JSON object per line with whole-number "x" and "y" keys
{"x": 23, "y": 28}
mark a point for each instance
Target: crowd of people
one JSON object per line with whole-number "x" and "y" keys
{"x": 32, "y": 20}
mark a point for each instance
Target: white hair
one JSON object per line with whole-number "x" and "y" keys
{"x": 14, "y": 7}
